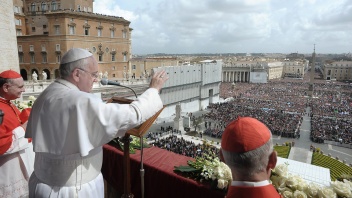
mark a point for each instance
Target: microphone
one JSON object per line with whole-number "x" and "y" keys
{"x": 105, "y": 81}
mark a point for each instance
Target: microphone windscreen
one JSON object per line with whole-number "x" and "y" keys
{"x": 104, "y": 81}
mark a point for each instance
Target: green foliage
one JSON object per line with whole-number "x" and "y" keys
{"x": 337, "y": 168}
{"x": 187, "y": 169}
{"x": 282, "y": 151}
{"x": 196, "y": 122}
{"x": 317, "y": 150}
{"x": 134, "y": 144}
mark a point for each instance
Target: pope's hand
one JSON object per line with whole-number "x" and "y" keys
{"x": 158, "y": 80}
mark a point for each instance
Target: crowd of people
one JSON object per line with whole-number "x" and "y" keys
{"x": 280, "y": 103}
{"x": 285, "y": 124}
{"x": 332, "y": 129}
{"x": 184, "y": 147}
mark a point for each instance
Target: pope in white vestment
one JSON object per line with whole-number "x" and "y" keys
{"x": 68, "y": 127}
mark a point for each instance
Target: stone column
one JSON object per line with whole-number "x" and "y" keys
{"x": 8, "y": 39}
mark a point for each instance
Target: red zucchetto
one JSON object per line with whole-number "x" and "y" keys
{"x": 244, "y": 134}
{"x": 10, "y": 74}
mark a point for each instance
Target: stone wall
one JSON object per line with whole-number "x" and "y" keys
{"x": 8, "y": 39}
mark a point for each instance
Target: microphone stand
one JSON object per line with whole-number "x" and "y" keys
{"x": 129, "y": 89}
{"x": 141, "y": 142}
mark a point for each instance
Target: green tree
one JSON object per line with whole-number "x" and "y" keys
{"x": 196, "y": 122}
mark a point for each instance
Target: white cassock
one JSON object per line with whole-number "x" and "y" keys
{"x": 18, "y": 160}
{"x": 68, "y": 128}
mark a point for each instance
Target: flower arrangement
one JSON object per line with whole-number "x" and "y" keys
{"x": 208, "y": 169}
{"x": 293, "y": 186}
{"x": 24, "y": 104}
{"x": 134, "y": 143}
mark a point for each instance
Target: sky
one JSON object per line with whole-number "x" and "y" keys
{"x": 235, "y": 26}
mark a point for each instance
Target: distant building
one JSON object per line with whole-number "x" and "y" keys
{"x": 294, "y": 56}
{"x": 238, "y": 70}
{"x": 274, "y": 70}
{"x": 47, "y": 29}
{"x": 193, "y": 86}
{"x": 140, "y": 67}
{"x": 295, "y": 69}
{"x": 338, "y": 70}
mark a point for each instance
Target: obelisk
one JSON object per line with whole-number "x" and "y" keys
{"x": 178, "y": 120}
{"x": 8, "y": 39}
{"x": 312, "y": 70}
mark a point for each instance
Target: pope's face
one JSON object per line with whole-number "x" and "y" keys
{"x": 14, "y": 88}
{"x": 89, "y": 76}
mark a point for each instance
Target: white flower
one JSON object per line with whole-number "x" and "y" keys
{"x": 302, "y": 184}
{"x": 287, "y": 194}
{"x": 22, "y": 105}
{"x": 348, "y": 182}
{"x": 32, "y": 98}
{"x": 299, "y": 194}
{"x": 292, "y": 181}
{"x": 312, "y": 190}
{"x": 341, "y": 189}
{"x": 226, "y": 171}
{"x": 278, "y": 182}
{"x": 326, "y": 193}
{"x": 222, "y": 184}
{"x": 281, "y": 170}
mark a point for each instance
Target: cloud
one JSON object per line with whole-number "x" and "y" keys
{"x": 109, "y": 7}
{"x": 183, "y": 26}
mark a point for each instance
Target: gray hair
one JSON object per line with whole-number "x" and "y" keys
{"x": 67, "y": 68}
{"x": 251, "y": 162}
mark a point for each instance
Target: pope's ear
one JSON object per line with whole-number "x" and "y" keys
{"x": 75, "y": 74}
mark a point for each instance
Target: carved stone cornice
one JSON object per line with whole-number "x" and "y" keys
{"x": 72, "y": 24}
{"x": 86, "y": 26}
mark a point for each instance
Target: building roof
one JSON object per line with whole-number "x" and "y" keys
{"x": 87, "y": 15}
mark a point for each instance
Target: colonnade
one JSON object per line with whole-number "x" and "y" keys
{"x": 235, "y": 76}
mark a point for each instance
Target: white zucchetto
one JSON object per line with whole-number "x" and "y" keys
{"x": 75, "y": 54}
